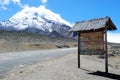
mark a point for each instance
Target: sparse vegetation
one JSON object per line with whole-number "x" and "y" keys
{"x": 22, "y": 41}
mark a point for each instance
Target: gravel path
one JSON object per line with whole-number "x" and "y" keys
{"x": 64, "y": 68}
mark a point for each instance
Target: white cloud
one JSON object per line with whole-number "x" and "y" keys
{"x": 43, "y": 1}
{"x": 113, "y": 37}
{"x": 16, "y": 1}
{"x": 4, "y": 8}
{"x": 6, "y": 1}
{"x": 3, "y": 3}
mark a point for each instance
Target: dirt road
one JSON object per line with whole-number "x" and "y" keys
{"x": 11, "y": 60}
{"x": 55, "y": 65}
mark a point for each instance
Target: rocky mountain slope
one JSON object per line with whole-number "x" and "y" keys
{"x": 11, "y": 41}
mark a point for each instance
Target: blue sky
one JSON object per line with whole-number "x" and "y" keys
{"x": 70, "y": 10}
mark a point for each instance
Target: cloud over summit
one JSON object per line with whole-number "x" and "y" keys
{"x": 4, "y": 3}
{"x": 43, "y": 1}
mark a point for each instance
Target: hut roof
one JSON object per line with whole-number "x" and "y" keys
{"x": 94, "y": 24}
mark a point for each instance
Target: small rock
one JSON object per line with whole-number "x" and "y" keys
{"x": 21, "y": 72}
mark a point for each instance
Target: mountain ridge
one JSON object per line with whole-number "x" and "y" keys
{"x": 37, "y": 20}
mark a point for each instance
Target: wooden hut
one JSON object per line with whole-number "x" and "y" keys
{"x": 92, "y": 37}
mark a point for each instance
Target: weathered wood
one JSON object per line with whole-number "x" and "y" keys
{"x": 106, "y": 53}
{"x": 78, "y": 49}
{"x": 92, "y": 37}
{"x": 98, "y": 24}
{"x": 92, "y": 43}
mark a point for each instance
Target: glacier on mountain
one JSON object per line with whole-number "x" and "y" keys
{"x": 37, "y": 20}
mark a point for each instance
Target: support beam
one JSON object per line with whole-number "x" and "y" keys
{"x": 106, "y": 53}
{"x": 78, "y": 49}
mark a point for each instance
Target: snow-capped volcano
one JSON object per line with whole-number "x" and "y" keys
{"x": 40, "y": 20}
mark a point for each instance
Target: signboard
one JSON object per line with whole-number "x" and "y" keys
{"x": 92, "y": 43}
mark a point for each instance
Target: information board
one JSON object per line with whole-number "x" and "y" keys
{"x": 92, "y": 43}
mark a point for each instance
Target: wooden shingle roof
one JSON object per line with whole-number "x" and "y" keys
{"x": 94, "y": 24}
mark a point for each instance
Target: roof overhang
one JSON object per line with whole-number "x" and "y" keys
{"x": 99, "y": 24}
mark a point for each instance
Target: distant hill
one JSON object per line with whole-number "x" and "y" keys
{"x": 11, "y": 41}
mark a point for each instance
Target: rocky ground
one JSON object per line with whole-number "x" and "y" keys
{"x": 26, "y": 41}
{"x": 62, "y": 68}
{"x": 65, "y": 68}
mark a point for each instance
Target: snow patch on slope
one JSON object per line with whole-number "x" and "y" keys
{"x": 32, "y": 12}
{"x": 37, "y": 20}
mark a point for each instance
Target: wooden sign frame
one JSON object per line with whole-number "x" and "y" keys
{"x": 104, "y": 47}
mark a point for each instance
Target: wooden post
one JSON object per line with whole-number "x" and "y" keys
{"x": 78, "y": 49}
{"x": 106, "y": 53}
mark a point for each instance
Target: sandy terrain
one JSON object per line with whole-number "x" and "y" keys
{"x": 65, "y": 68}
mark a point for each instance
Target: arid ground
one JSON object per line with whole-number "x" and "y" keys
{"x": 62, "y": 65}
